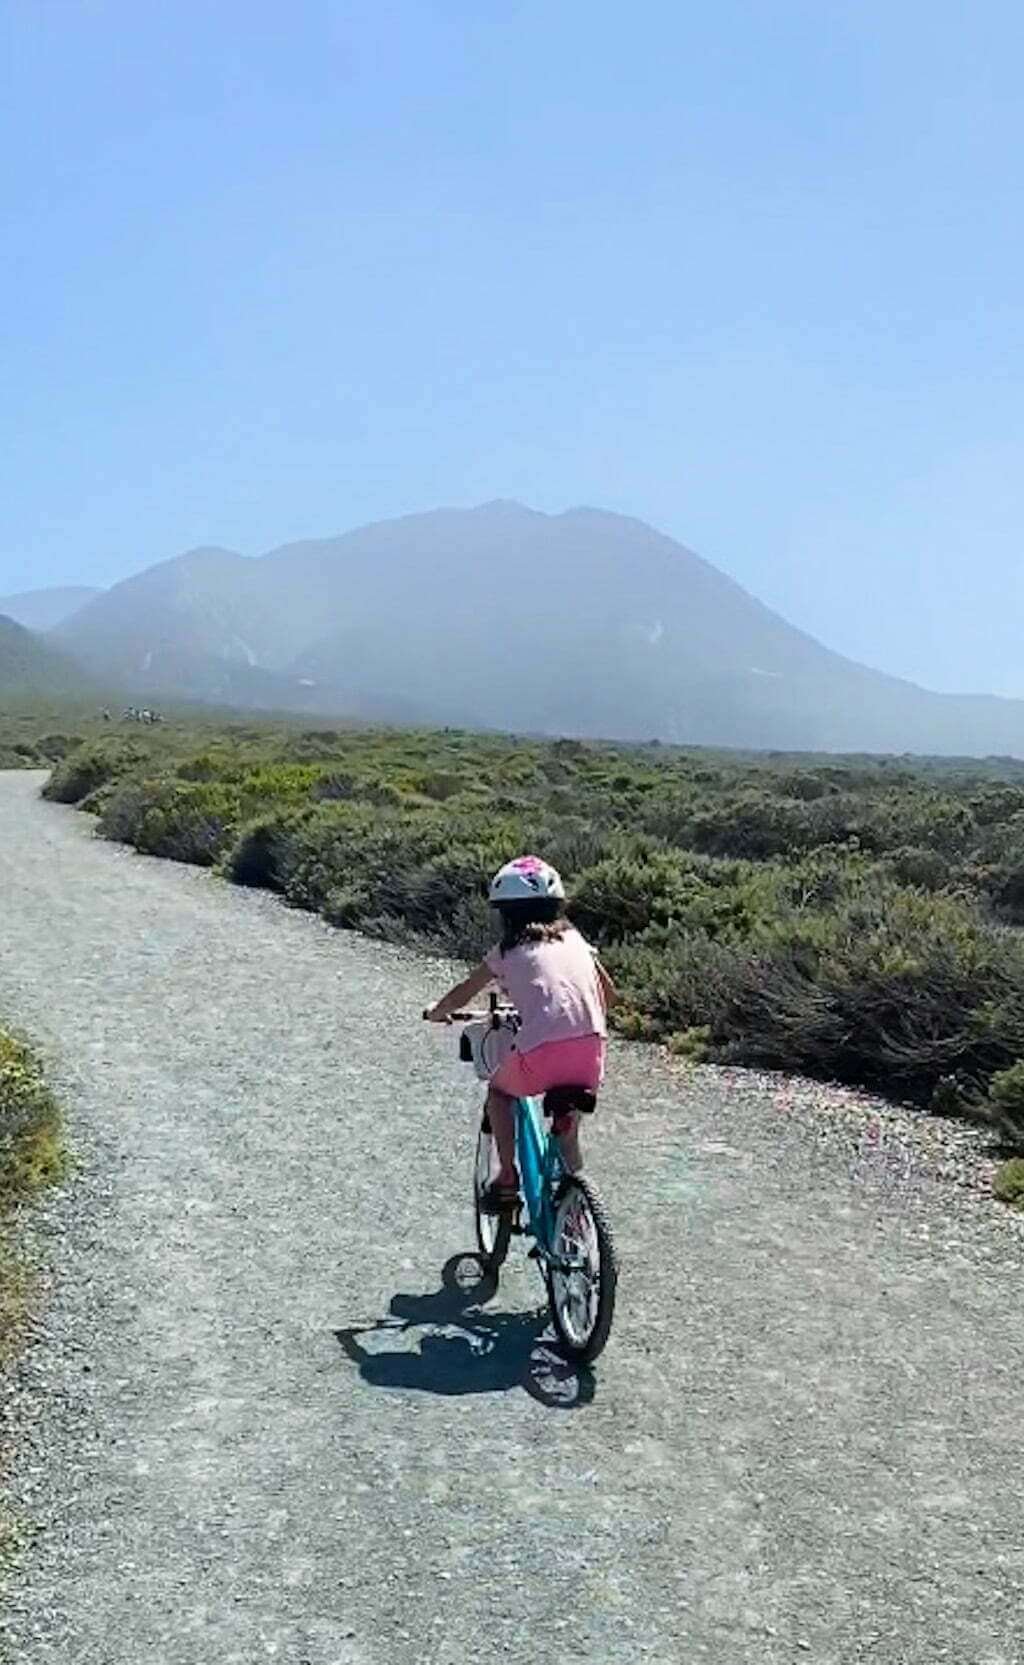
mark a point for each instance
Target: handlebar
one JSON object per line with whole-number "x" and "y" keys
{"x": 499, "y": 1012}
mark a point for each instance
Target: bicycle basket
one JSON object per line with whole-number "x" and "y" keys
{"x": 486, "y": 1045}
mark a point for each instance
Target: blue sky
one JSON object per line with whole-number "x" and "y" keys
{"x": 751, "y": 271}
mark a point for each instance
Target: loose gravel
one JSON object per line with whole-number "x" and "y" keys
{"x": 257, "y": 1423}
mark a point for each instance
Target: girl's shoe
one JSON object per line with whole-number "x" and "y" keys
{"x": 499, "y": 1199}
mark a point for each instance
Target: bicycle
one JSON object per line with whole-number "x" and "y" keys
{"x": 562, "y": 1212}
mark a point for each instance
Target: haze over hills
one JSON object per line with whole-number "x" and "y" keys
{"x": 585, "y": 623}
{"x": 31, "y": 666}
{"x": 45, "y": 609}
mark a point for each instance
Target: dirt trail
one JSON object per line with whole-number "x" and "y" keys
{"x": 803, "y": 1441}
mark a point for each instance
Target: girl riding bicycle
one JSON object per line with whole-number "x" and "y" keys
{"x": 561, "y": 991}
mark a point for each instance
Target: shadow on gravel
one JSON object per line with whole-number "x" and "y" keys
{"x": 463, "y": 1349}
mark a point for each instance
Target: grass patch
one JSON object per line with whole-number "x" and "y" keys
{"x": 36, "y": 734}
{"x": 31, "y": 1156}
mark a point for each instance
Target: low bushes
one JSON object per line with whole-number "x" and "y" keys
{"x": 30, "y": 1156}
{"x": 625, "y": 894}
{"x": 889, "y": 991}
{"x": 189, "y": 823}
{"x": 1006, "y": 1103}
{"x": 844, "y": 920}
{"x": 1008, "y": 1184}
{"x": 262, "y": 855}
{"x": 86, "y": 768}
{"x": 28, "y": 1120}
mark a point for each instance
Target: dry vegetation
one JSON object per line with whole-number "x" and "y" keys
{"x": 31, "y": 1155}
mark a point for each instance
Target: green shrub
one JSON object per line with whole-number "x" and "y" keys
{"x": 262, "y": 854}
{"x": 1008, "y": 1182}
{"x": 206, "y": 766}
{"x": 190, "y": 823}
{"x": 119, "y": 809}
{"x": 753, "y": 826}
{"x": 671, "y": 982}
{"x": 884, "y": 991}
{"x": 31, "y": 1155}
{"x": 625, "y": 895}
{"x": 1005, "y": 883}
{"x": 694, "y": 1044}
{"x": 920, "y": 868}
{"x": 954, "y": 1097}
{"x": 939, "y": 823}
{"x": 441, "y": 784}
{"x": 997, "y": 804}
{"x": 85, "y": 769}
{"x": 1006, "y": 1103}
{"x": 801, "y": 784}
{"x": 28, "y": 1121}
{"x": 55, "y": 747}
{"x": 96, "y": 802}
{"x": 347, "y": 906}
{"x": 895, "y": 991}
{"x": 18, "y": 755}
{"x": 339, "y": 786}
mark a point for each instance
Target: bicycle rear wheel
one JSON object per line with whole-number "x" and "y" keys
{"x": 493, "y": 1231}
{"x": 583, "y": 1300}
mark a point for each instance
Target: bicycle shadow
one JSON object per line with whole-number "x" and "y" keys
{"x": 462, "y": 1348}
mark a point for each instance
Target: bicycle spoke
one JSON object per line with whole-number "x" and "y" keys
{"x": 492, "y": 1231}
{"x": 582, "y": 1285}
{"x": 577, "y": 1245}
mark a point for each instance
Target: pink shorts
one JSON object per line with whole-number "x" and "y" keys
{"x": 575, "y": 1063}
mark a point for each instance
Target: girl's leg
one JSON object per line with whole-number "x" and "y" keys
{"x": 569, "y": 1143}
{"x": 503, "y": 1125}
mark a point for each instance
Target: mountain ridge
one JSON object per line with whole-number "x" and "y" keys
{"x": 585, "y": 622}
{"x": 45, "y": 609}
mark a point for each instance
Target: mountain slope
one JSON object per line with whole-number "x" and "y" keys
{"x": 30, "y": 666}
{"x": 200, "y": 625}
{"x": 585, "y": 622}
{"x": 46, "y": 609}
{"x": 175, "y": 603}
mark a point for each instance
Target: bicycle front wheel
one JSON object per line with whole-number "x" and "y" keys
{"x": 582, "y": 1297}
{"x": 493, "y": 1231}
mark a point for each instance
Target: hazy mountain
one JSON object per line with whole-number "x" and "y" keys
{"x": 191, "y": 626}
{"x": 584, "y": 622}
{"x": 31, "y": 666}
{"x": 45, "y": 609}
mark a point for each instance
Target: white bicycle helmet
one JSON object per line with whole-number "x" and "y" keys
{"x": 525, "y": 880}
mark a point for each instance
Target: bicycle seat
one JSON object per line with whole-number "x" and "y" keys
{"x": 564, "y": 1101}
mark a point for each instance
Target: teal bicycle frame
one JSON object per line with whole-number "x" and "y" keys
{"x": 540, "y": 1169}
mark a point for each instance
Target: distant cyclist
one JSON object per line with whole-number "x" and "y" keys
{"x": 562, "y": 992}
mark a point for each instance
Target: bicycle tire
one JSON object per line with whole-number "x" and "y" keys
{"x": 585, "y": 1349}
{"x": 493, "y": 1231}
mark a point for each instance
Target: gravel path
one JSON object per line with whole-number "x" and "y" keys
{"x": 256, "y": 1425}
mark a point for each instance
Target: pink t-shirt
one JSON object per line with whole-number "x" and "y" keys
{"x": 555, "y": 987}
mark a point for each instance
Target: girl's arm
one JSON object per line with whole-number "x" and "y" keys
{"x": 461, "y": 994}
{"x": 609, "y": 993}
